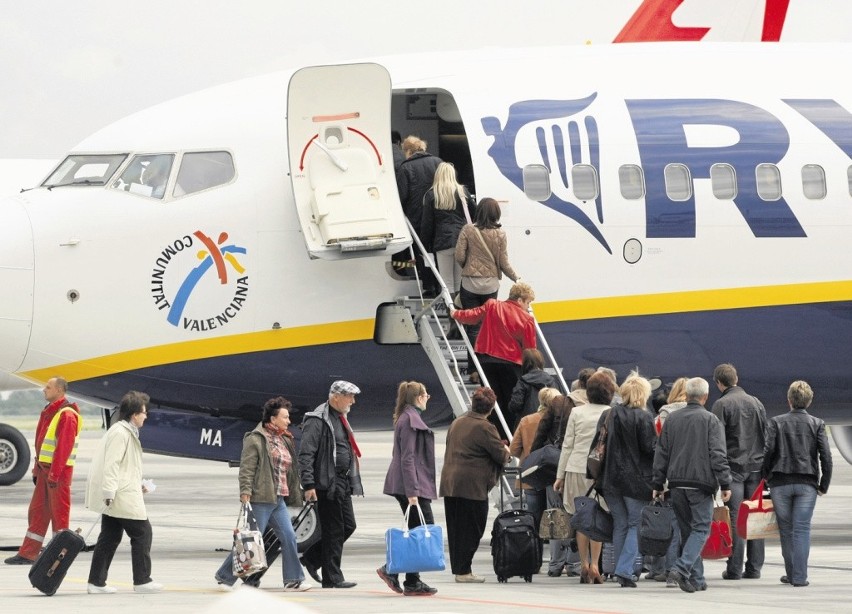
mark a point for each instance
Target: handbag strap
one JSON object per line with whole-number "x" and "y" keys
{"x": 422, "y": 519}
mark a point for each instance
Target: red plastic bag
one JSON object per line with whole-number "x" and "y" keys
{"x": 719, "y": 544}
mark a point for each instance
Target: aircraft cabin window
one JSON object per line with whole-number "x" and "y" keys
{"x": 632, "y": 181}
{"x": 813, "y": 182}
{"x": 146, "y": 175}
{"x": 95, "y": 169}
{"x": 723, "y": 180}
{"x": 768, "y": 181}
{"x": 678, "y": 182}
{"x": 849, "y": 179}
{"x": 202, "y": 170}
{"x": 537, "y": 182}
{"x": 585, "y": 180}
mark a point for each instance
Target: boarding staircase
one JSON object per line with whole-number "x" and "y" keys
{"x": 426, "y": 321}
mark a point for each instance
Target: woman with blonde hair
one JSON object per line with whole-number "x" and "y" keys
{"x": 626, "y": 475}
{"x": 675, "y": 401}
{"x": 411, "y": 475}
{"x": 447, "y": 207}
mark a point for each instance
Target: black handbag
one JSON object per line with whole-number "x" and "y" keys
{"x": 591, "y": 519}
{"x": 656, "y": 528}
{"x": 595, "y": 460}
{"x": 538, "y": 470}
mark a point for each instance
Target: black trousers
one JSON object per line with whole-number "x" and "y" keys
{"x": 337, "y": 522}
{"x": 466, "y": 520}
{"x": 502, "y": 376}
{"x": 411, "y": 579}
{"x": 112, "y": 529}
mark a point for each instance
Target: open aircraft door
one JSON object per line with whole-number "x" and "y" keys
{"x": 341, "y": 164}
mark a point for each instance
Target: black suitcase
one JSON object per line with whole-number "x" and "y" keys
{"x": 307, "y": 529}
{"x": 516, "y": 548}
{"x": 49, "y": 569}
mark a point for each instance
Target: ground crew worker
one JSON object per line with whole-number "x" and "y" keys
{"x": 56, "y": 439}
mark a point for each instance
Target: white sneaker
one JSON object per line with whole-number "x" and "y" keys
{"x": 299, "y": 586}
{"x": 100, "y": 590}
{"x": 148, "y": 587}
{"x": 469, "y": 578}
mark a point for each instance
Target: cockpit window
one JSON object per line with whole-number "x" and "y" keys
{"x": 95, "y": 169}
{"x": 202, "y": 170}
{"x": 146, "y": 175}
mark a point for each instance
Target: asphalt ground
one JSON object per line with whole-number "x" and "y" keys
{"x": 195, "y": 506}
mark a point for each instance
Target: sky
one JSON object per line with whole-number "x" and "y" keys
{"x": 68, "y": 69}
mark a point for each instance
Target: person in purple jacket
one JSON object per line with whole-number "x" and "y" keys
{"x": 411, "y": 475}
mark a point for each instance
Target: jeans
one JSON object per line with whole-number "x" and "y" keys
{"x": 277, "y": 514}
{"x": 535, "y": 502}
{"x": 449, "y": 269}
{"x": 794, "y": 507}
{"x": 141, "y": 536}
{"x": 626, "y": 514}
{"x": 694, "y": 511}
{"x": 740, "y": 491}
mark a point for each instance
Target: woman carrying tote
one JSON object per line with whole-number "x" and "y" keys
{"x": 269, "y": 479}
{"x": 411, "y": 475}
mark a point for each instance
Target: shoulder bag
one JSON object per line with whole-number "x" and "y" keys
{"x": 591, "y": 519}
{"x": 595, "y": 461}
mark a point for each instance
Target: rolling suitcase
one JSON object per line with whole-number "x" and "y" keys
{"x": 306, "y": 527}
{"x": 516, "y": 548}
{"x": 608, "y": 561}
{"x": 49, "y": 569}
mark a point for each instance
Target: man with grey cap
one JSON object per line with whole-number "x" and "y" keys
{"x": 328, "y": 466}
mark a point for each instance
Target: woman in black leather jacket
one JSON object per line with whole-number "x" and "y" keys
{"x": 797, "y": 464}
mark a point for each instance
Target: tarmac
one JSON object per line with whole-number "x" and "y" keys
{"x": 195, "y": 507}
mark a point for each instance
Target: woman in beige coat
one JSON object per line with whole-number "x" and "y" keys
{"x": 115, "y": 486}
{"x": 571, "y": 473}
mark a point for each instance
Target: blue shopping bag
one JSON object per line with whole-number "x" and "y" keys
{"x": 415, "y": 550}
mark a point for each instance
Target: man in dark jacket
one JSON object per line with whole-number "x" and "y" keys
{"x": 691, "y": 456}
{"x": 744, "y": 419}
{"x": 413, "y": 179}
{"x": 328, "y": 466}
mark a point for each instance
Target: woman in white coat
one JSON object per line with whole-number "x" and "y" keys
{"x": 115, "y": 486}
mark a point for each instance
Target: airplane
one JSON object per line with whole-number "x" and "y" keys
{"x": 234, "y": 244}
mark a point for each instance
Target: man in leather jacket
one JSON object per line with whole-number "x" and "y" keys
{"x": 744, "y": 419}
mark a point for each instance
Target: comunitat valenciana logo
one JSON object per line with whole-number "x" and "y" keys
{"x": 200, "y": 283}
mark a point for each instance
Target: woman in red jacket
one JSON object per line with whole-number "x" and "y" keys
{"x": 507, "y": 329}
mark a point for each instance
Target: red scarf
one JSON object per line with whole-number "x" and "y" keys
{"x": 349, "y": 432}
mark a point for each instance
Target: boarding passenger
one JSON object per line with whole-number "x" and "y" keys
{"x": 626, "y": 475}
{"x": 675, "y": 400}
{"x": 56, "y": 438}
{"x": 115, "y": 487}
{"x": 447, "y": 207}
{"x": 411, "y": 476}
{"x": 329, "y": 469}
{"x": 691, "y": 456}
{"x": 571, "y": 478}
{"x": 482, "y": 251}
{"x": 473, "y": 460}
{"x": 413, "y": 179}
{"x": 507, "y": 330}
{"x": 396, "y": 148}
{"x": 744, "y": 420}
{"x": 524, "y": 400}
{"x": 798, "y": 466}
{"x": 521, "y": 446}
{"x": 269, "y": 480}
{"x": 551, "y": 429}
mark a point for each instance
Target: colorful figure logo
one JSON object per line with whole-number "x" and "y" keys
{"x": 214, "y": 254}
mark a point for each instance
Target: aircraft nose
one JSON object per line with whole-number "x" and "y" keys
{"x": 17, "y": 264}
